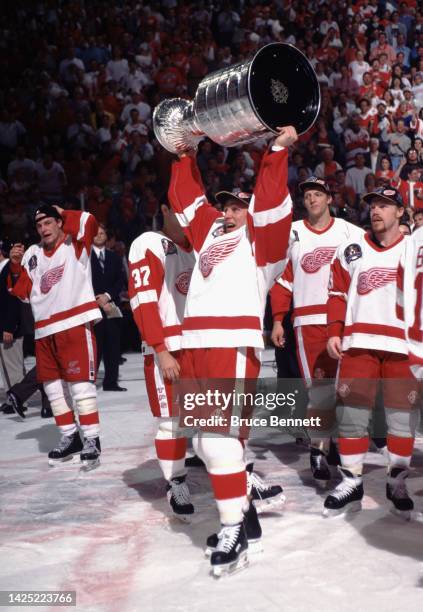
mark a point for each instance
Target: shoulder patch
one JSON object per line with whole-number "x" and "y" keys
{"x": 353, "y": 252}
{"x": 169, "y": 247}
{"x": 32, "y": 263}
{"x": 295, "y": 238}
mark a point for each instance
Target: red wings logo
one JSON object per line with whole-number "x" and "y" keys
{"x": 182, "y": 281}
{"x": 375, "y": 278}
{"x": 216, "y": 253}
{"x": 312, "y": 262}
{"x": 50, "y": 278}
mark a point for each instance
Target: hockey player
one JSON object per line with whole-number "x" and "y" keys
{"x": 313, "y": 243}
{"x": 238, "y": 255}
{"x": 366, "y": 334}
{"x": 160, "y": 266}
{"x": 410, "y": 299}
{"x": 55, "y": 277}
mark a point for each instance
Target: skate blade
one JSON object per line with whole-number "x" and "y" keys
{"x": 71, "y": 458}
{"x": 89, "y": 464}
{"x": 227, "y": 569}
{"x": 332, "y": 512}
{"x": 255, "y": 547}
{"x": 270, "y": 504}
{"x": 404, "y": 515}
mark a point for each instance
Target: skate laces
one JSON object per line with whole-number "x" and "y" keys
{"x": 227, "y": 537}
{"x": 64, "y": 442}
{"x": 90, "y": 446}
{"x": 180, "y": 492}
{"x": 344, "y": 488}
{"x": 399, "y": 487}
{"x": 254, "y": 481}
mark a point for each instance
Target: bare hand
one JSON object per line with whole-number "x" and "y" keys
{"x": 16, "y": 253}
{"x": 169, "y": 366}
{"x": 108, "y": 308}
{"x": 286, "y": 137}
{"x": 334, "y": 347}
{"x": 7, "y": 338}
{"x": 102, "y": 299}
{"x": 278, "y": 334}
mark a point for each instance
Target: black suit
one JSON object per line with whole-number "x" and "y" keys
{"x": 379, "y": 158}
{"x": 107, "y": 332}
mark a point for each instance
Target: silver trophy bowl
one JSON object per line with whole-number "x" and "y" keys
{"x": 238, "y": 104}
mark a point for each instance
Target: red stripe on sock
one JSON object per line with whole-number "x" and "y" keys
{"x": 171, "y": 449}
{"x": 89, "y": 419}
{"x": 353, "y": 446}
{"x": 400, "y": 446}
{"x": 64, "y": 419}
{"x": 228, "y": 486}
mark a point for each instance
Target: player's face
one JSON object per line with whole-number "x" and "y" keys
{"x": 50, "y": 232}
{"x": 101, "y": 238}
{"x": 316, "y": 202}
{"x": 235, "y": 215}
{"x": 384, "y": 216}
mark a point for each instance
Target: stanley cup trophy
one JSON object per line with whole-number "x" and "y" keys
{"x": 238, "y": 104}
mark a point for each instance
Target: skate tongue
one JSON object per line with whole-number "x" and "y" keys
{"x": 227, "y": 537}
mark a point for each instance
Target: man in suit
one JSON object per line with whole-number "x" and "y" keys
{"x": 107, "y": 276}
{"x": 374, "y": 158}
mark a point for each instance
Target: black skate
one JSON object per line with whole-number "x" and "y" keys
{"x": 90, "y": 454}
{"x": 194, "y": 461}
{"x": 179, "y": 498}
{"x": 231, "y": 552}
{"x": 396, "y": 492}
{"x": 266, "y": 497}
{"x": 68, "y": 447}
{"x": 346, "y": 497}
{"x": 252, "y": 530}
{"x": 319, "y": 466}
{"x": 17, "y": 405}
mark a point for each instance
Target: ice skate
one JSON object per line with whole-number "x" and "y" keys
{"x": 346, "y": 497}
{"x": 252, "y": 530}
{"x": 179, "y": 499}
{"x": 319, "y": 467}
{"x": 231, "y": 552}
{"x": 90, "y": 454}
{"x": 68, "y": 447}
{"x": 265, "y": 496}
{"x": 396, "y": 492}
{"x": 194, "y": 461}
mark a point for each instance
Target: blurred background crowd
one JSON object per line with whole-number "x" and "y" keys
{"x": 80, "y": 79}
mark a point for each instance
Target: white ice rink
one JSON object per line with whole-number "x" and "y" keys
{"x": 107, "y": 534}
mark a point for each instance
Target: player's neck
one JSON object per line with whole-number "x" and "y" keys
{"x": 388, "y": 237}
{"x": 320, "y": 222}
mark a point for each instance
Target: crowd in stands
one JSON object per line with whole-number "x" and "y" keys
{"x": 80, "y": 79}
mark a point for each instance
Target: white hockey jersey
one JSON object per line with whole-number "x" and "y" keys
{"x": 362, "y": 296}
{"x": 233, "y": 272}
{"x": 159, "y": 276}
{"x": 306, "y": 276}
{"x": 410, "y": 299}
{"x": 58, "y": 283}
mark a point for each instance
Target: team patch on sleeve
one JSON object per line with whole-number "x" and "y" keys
{"x": 169, "y": 247}
{"x": 352, "y": 252}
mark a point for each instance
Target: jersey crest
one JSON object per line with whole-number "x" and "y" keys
{"x": 216, "y": 253}
{"x": 312, "y": 262}
{"x": 51, "y": 278}
{"x": 375, "y": 278}
{"x": 182, "y": 281}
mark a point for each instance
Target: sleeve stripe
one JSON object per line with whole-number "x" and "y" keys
{"x": 143, "y": 298}
{"x": 191, "y": 209}
{"x": 82, "y": 222}
{"x": 273, "y": 215}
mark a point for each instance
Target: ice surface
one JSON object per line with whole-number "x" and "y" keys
{"x": 107, "y": 534}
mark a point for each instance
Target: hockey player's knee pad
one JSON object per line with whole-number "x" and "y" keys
{"x": 85, "y": 396}
{"x": 402, "y": 423}
{"x": 353, "y": 421}
{"x": 56, "y": 397}
{"x": 168, "y": 429}
{"x": 222, "y": 455}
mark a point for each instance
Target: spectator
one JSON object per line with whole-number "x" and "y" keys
{"x": 51, "y": 179}
{"x": 356, "y": 175}
{"x": 418, "y": 219}
{"x": 397, "y": 142}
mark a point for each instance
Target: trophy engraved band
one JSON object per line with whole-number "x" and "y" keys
{"x": 238, "y": 104}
